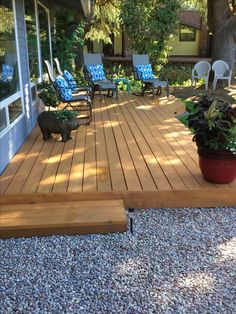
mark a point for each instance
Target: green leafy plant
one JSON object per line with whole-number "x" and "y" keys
{"x": 149, "y": 24}
{"x": 214, "y": 124}
{"x": 66, "y": 114}
{"x": 48, "y": 95}
{"x": 176, "y": 74}
{"x": 68, "y": 38}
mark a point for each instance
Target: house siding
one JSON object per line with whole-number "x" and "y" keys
{"x": 184, "y": 48}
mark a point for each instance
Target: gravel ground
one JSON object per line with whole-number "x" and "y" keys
{"x": 176, "y": 261}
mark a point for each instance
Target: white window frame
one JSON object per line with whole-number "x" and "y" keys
{"x": 9, "y": 100}
{"x": 38, "y": 36}
{"x": 38, "y": 80}
{"x": 39, "y": 52}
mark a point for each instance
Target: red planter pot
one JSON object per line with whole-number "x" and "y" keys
{"x": 217, "y": 166}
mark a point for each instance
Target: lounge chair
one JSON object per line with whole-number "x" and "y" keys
{"x": 74, "y": 101}
{"x": 86, "y": 89}
{"x": 94, "y": 73}
{"x": 201, "y": 70}
{"x": 142, "y": 70}
{"x": 221, "y": 72}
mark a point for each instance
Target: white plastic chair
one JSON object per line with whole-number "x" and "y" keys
{"x": 221, "y": 72}
{"x": 201, "y": 70}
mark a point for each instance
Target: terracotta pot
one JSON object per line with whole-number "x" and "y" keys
{"x": 217, "y": 166}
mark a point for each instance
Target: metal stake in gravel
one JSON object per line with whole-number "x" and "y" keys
{"x": 131, "y": 225}
{"x": 131, "y": 210}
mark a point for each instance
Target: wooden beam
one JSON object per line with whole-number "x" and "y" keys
{"x": 212, "y": 197}
{"x": 44, "y": 219}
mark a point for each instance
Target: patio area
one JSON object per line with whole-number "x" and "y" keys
{"x": 134, "y": 149}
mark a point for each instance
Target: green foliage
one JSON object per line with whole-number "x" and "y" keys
{"x": 66, "y": 114}
{"x": 105, "y": 20}
{"x": 68, "y": 36}
{"x": 190, "y": 109}
{"x": 48, "y": 95}
{"x": 183, "y": 118}
{"x": 190, "y": 106}
{"x": 7, "y": 20}
{"x": 177, "y": 75}
{"x": 214, "y": 124}
{"x": 199, "y": 5}
{"x": 149, "y": 24}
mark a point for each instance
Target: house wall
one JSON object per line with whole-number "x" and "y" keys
{"x": 184, "y": 48}
{"x": 15, "y": 137}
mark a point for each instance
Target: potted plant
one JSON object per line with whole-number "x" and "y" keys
{"x": 214, "y": 127}
{"x": 48, "y": 95}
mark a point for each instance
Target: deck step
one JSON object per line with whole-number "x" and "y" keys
{"x": 57, "y": 218}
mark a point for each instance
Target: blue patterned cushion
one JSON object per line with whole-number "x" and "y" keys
{"x": 144, "y": 71}
{"x": 63, "y": 88}
{"x": 7, "y": 72}
{"x": 96, "y": 72}
{"x": 70, "y": 80}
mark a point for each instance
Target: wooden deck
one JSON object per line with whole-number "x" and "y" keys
{"x": 134, "y": 149}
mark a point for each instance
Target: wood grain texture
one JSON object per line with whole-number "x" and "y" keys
{"x": 62, "y": 218}
{"x": 136, "y": 199}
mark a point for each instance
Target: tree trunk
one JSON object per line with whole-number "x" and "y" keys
{"x": 222, "y": 25}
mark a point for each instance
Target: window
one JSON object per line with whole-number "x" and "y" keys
{"x": 15, "y": 109}
{"x": 9, "y": 78}
{"x": 187, "y": 33}
{"x": 3, "y": 119}
{"x": 10, "y": 88}
{"x": 45, "y": 33}
{"x": 32, "y": 41}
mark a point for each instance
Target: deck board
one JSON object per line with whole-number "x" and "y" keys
{"x": 48, "y": 178}
{"x": 134, "y": 149}
{"x": 116, "y": 170}
{"x": 26, "y": 166}
{"x": 77, "y": 166}
{"x": 142, "y": 169}
{"x": 180, "y": 141}
{"x": 32, "y": 181}
{"x": 129, "y": 169}
{"x": 166, "y": 166}
{"x": 103, "y": 171}
{"x": 17, "y": 160}
{"x": 151, "y": 159}
{"x": 90, "y": 170}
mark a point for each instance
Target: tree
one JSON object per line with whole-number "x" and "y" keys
{"x": 149, "y": 24}
{"x": 103, "y": 20}
{"x": 222, "y": 26}
{"x": 68, "y": 37}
